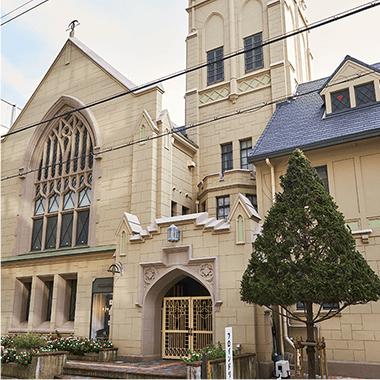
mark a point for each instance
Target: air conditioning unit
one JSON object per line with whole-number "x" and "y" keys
{"x": 282, "y": 369}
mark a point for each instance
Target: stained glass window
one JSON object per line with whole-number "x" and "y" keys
{"x": 82, "y": 229}
{"x": 365, "y": 93}
{"x": 340, "y": 100}
{"x": 66, "y": 230}
{"x": 65, "y": 166}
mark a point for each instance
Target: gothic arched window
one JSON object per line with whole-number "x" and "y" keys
{"x": 62, "y": 194}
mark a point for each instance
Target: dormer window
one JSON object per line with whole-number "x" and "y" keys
{"x": 365, "y": 93}
{"x": 340, "y": 100}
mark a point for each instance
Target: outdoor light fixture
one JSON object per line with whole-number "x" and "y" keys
{"x": 173, "y": 233}
{"x": 116, "y": 267}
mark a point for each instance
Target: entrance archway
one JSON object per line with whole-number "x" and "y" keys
{"x": 165, "y": 289}
{"x": 186, "y": 318}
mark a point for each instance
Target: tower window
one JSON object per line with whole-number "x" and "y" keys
{"x": 215, "y": 68}
{"x": 63, "y": 188}
{"x": 222, "y": 207}
{"x": 253, "y": 58}
{"x": 340, "y": 100}
{"x": 245, "y": 148}
{"x": 227, "y": 161}
{"x": 365, "y": 93}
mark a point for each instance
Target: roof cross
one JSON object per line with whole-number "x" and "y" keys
{"x": 73, "y": 24}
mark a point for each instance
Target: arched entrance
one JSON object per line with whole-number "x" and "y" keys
{"x": 186, "y": 318}
{"x": 177, "y": 313}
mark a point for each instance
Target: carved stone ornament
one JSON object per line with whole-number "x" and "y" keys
{"x": 207, "y": 271}
{"x": 150, "y": 274}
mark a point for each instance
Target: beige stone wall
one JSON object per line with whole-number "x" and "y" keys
{"x": 85, "y": 269}
{"x": 118, "y": 123}
{"x": 226, "y": 23}
{"x": 353, "y": 175}
{"x": 132, "y": 292}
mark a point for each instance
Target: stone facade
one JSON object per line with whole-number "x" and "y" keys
{"x": 351, "y": 161}
{"x": 124, "y": 165}
{"x": 135, "y": 175}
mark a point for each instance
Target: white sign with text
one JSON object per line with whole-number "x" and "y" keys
{"x": 229, "y": 354}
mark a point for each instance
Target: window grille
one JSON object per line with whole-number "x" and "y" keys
{"x": 253, "y": 58}
{"x": 365, "y": 93}
{"x": 215, "y": 70}
{"x": 63, "y": 187}
{"x": 245, "y": 149}
{"x": 222, "y": 207}
{"x": 227, "y": 161}
{"x": 340, "y": 100}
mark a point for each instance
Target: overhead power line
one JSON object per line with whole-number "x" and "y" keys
{"x": 249, "y": 109}
{"x": 14, "y": 10}
{"x": 6, "y": 22}
{"x": 317, "y": 24}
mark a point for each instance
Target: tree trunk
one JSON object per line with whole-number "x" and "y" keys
{"x": 310, "y": 350}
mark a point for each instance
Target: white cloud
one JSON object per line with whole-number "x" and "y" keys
{"x": 14, "y": 77}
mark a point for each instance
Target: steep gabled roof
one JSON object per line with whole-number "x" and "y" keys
{"x": 301, "y": 122}
{"x": 349, "y": 58}
{"x": 107, "y": 67}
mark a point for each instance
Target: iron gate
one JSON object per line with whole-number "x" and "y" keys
{"x": 186, "y": 324}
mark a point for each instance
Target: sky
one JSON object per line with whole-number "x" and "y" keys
{"x": 145, "y": 40}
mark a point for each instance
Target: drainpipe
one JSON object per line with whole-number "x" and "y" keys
{"x": 286, "y": 332}
{"x": 286, "y": 325}
{"x": 271, "y": 178}
{"x": 273, "y": 200}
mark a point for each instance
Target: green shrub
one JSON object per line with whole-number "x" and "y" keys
{"x": 210, "y": 350}
{"x": 29, "y": 341}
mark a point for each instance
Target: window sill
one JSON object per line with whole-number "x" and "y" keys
{"x": 21, "y": 328}
{"x": 80, "y": 250}
{"x": 43, "y": 328}
{"x": 66, "y": 328}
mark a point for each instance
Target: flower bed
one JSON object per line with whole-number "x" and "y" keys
{"x": 43, "y": 344}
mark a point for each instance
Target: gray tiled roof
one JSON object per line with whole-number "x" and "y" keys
{"x": 300, "y": 122}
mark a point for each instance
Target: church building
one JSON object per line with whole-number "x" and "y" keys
{"x": 118, "y": 224}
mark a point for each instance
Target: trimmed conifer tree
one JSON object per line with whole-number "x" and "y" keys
{"x": 305, "y": 253}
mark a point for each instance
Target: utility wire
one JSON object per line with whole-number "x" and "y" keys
{"x": 202, "y": 65}
{"x": 249, "y": 109}
{"x": 6, "y": 22}
{"x": 17, "y": 8}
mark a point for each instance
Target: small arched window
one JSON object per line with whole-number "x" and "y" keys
{"x": 63, "y": 187}
{"x": 240, "y": 229}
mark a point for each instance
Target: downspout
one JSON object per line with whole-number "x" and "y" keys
{"x": 271, "y": 178}
{"x": 282, "y": 325}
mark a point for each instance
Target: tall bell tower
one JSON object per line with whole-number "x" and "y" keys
{"x": 250, "y": 80}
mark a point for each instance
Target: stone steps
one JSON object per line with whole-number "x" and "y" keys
{"x": 120, "y": 370}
